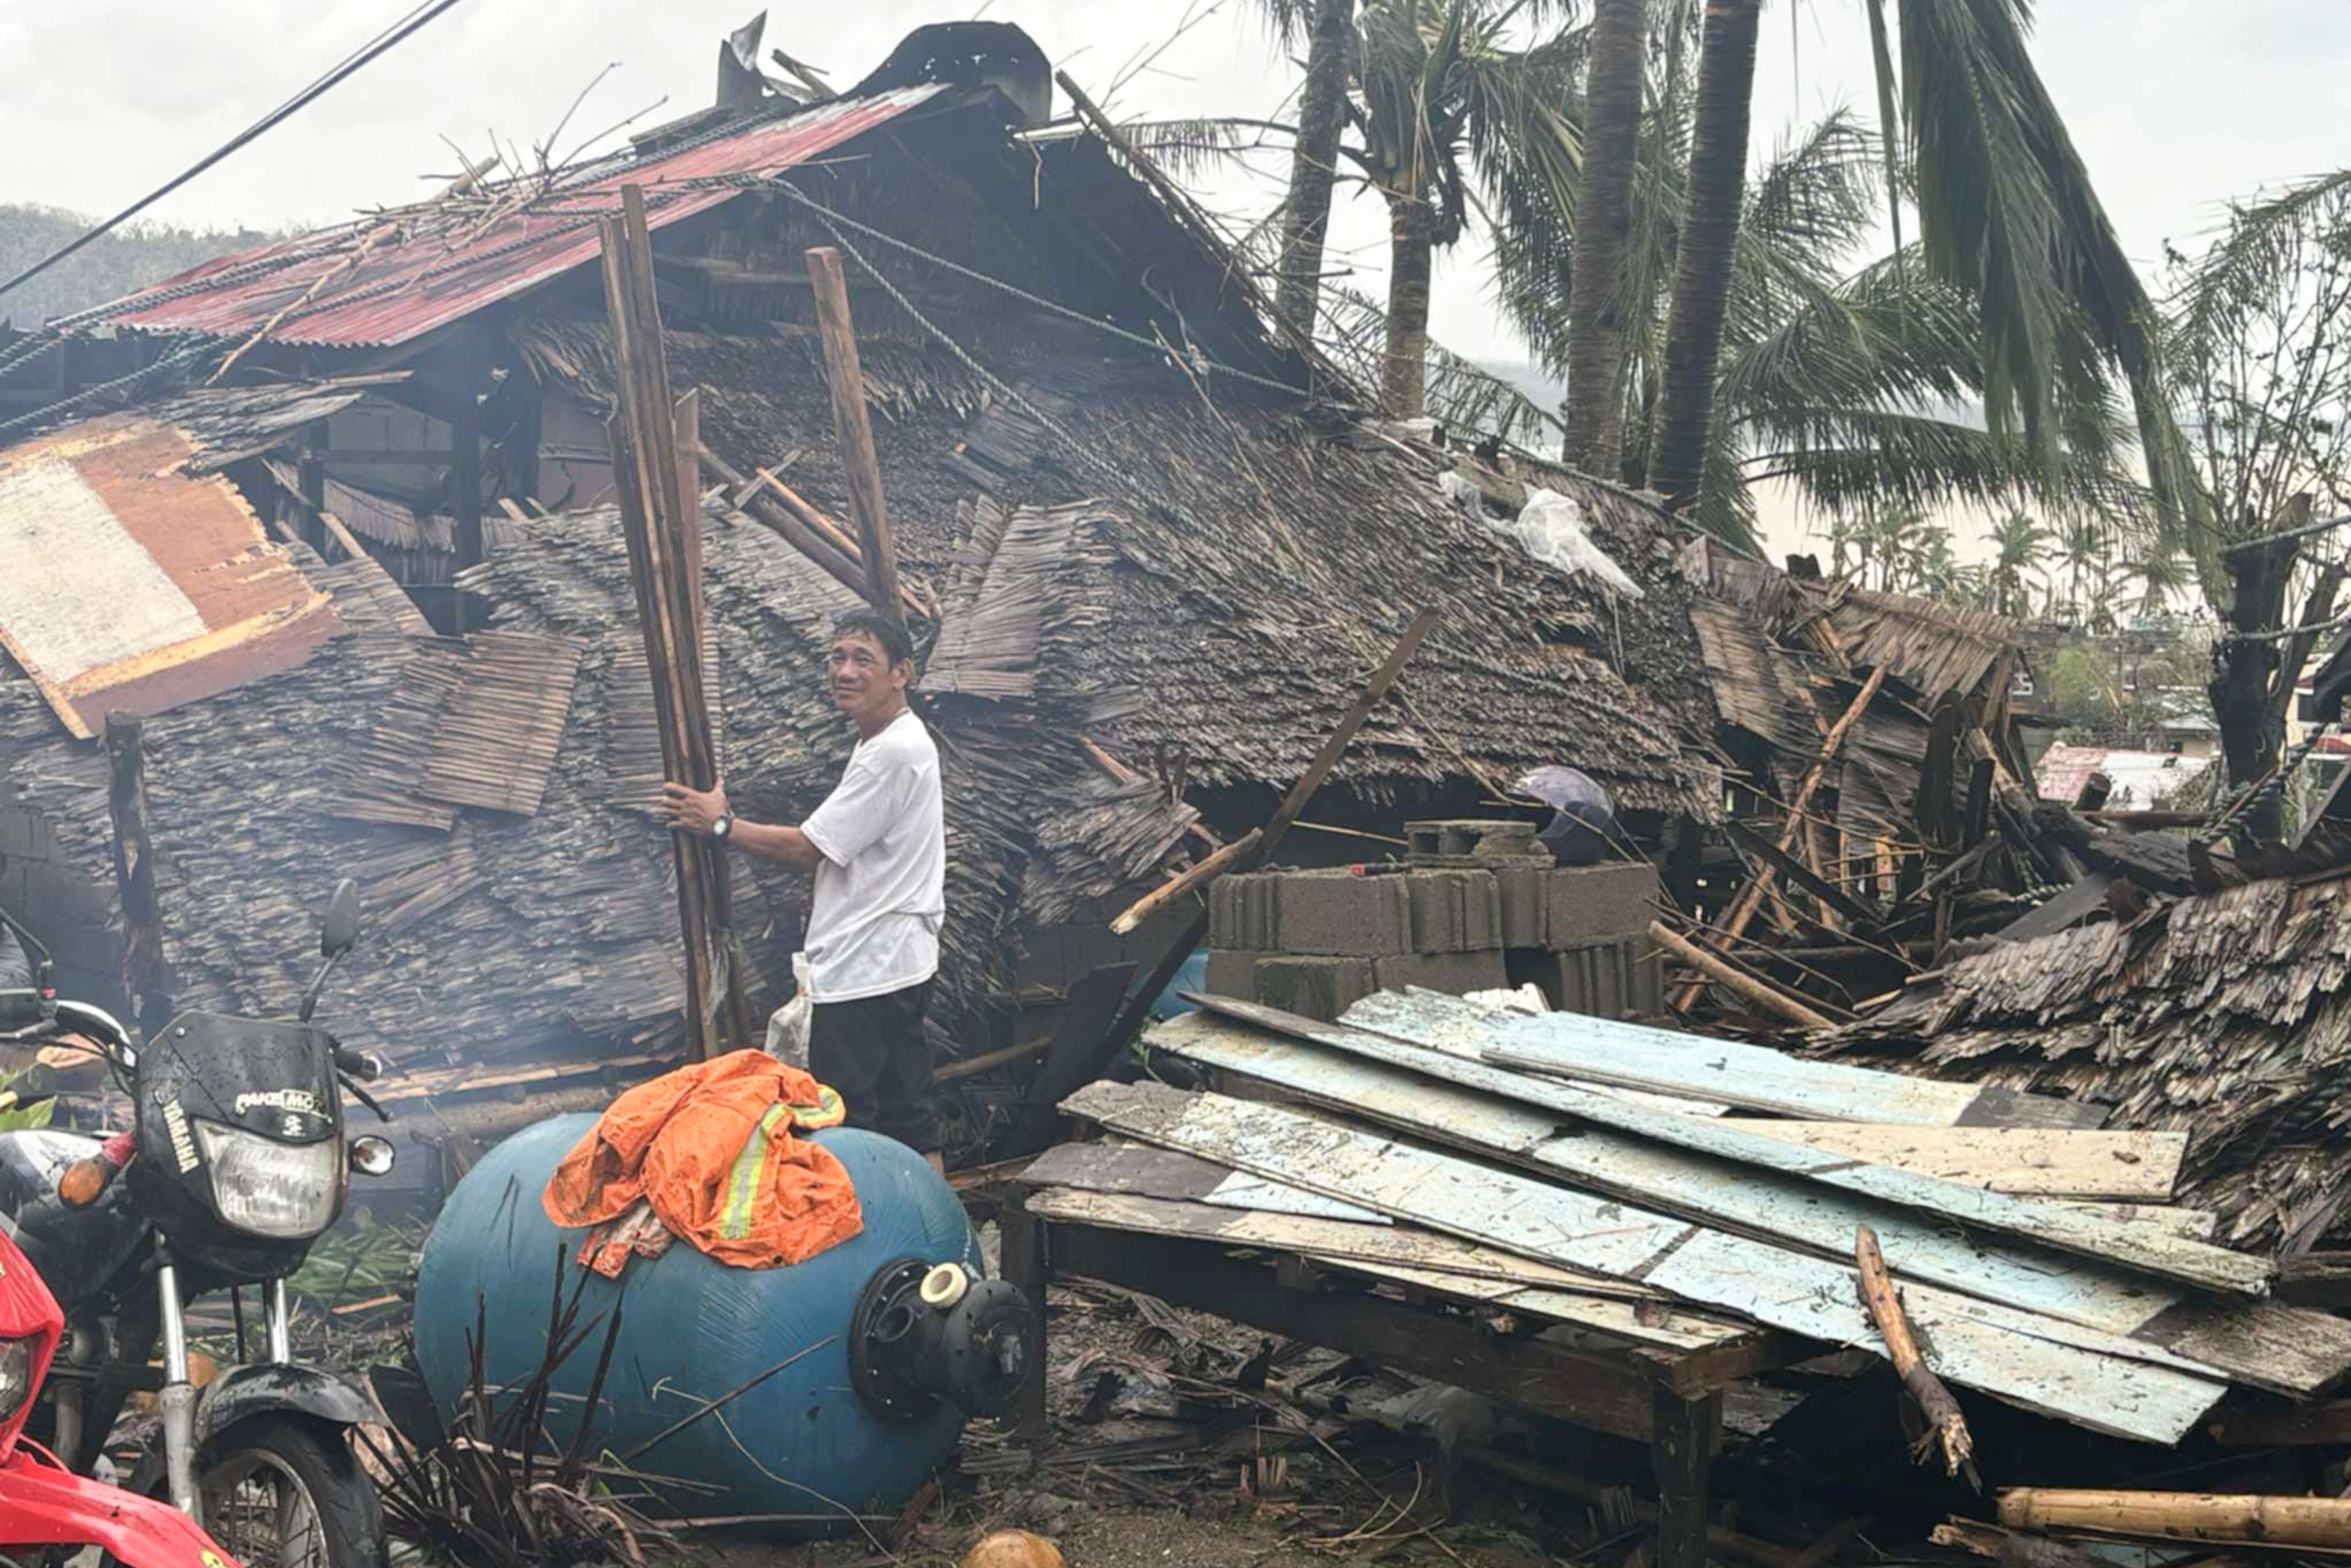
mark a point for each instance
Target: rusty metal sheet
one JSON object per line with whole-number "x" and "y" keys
{"x": 425, "y": 267}
{"x": 130, "y": 584}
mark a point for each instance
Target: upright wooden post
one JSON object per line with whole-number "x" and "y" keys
{"x": 1026, "y": 1266}
{"x": 310, "y": 470}
{"x": 847, "y": 378}
{"x": 146, "y": 976}
{"x": 655, "y": 446}
{"x": 1682, "y": 1452}
{"x": 465, "y": 440}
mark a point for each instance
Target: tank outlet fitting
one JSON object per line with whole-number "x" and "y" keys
{"x": 944, "y": 1286}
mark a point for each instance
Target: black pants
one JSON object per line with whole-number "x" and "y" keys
{"x": 873, "y": 1050}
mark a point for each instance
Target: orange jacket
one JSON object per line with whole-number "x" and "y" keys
{"x": 710, "y": 1148}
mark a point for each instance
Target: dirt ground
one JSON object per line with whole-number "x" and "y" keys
{"x": 1118, "y": 1538}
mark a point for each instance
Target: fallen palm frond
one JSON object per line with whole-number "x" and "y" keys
{"x": 492, "y": 1488}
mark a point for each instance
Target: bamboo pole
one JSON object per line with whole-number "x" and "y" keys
{"x": 2181, "y": 1515}
{"x": 1946, "y": 1426}
{"x": 844, "y": 374}
{"x": 1769, "y": 998}
{"x": 1199, "y": 875}
{"x": 1751, "y": 897}
{"x": 655, "y": 446}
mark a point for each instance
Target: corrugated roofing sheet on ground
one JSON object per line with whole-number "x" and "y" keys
{"x": 130, "y": 584}
{"x": 423, "y": 267}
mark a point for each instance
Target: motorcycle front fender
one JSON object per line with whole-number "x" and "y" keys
{"x": 281, "y": 1388}
{"x": 43, "y": 1506}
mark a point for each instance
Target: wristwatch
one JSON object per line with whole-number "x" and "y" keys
{"x": 723, "y": 826}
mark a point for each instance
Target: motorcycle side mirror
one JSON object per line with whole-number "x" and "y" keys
{"x": 341, "y": 927}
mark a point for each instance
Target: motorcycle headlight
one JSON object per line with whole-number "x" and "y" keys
{"x": 263, "y": 1187}
{"x": 16, "y": 1374}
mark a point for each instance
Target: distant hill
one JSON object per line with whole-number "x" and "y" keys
{"x": 131, "y": 257}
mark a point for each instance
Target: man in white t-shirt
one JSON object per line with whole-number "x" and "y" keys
{"x": 877, "y": 848}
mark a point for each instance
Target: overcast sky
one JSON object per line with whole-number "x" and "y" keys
{"x": 2175, "y": 104}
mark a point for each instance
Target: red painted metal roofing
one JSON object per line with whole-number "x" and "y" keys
{"x": 134, "y": 584}
{"x": 428, "y": 266}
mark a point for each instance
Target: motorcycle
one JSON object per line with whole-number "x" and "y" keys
{"x": 234, "y": 1164}
{"x": 47, "y": 1513}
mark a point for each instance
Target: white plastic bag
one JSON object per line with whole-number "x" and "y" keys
{"x": 1549, "y": 528}
{"x": 788, "y": 1026}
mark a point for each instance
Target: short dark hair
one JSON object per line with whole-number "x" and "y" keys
{"x": 890, "y": 635}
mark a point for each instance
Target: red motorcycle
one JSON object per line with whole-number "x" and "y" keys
{"x": 42, "y": 1503}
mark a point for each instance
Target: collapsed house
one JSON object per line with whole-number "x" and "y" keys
{"x": 1162, "y": 551}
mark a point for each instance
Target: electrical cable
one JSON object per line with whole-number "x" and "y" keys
{"x": 426, "y": 12}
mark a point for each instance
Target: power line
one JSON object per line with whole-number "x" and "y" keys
{"x": 405, "y": 28}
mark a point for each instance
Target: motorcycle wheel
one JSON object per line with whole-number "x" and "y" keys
{"x": 279, "y": 1493}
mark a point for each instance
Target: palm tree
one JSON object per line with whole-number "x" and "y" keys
{"x": 2007, "y": 217}
{"x": 2080, "y": 547}
{"x": 2020, "y": 543}
{"x": 1856, "y": 387}
{"x": 1710, "y": 240}
{"x": 1448, "y": 106}
{"x": 1329, "y": 27}
{"x": 1893, "y": 539}
{"x": 1937, "y": 573}
{"x": 1598, "y": 306}
{"x": 2162, "y": 573}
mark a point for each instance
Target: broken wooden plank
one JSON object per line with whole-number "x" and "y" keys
{"x": 1944, "y": 1423}
{"x": 2039, "y": 1222}
{"x": 846, "y": 380}
{"x": 1409, "y": 1256}
{"x": 2261, "y": 1342}
{"x": 1136, "y": 1170}
{"x": 1588, "y": 1390}
{"x": 2029, "y": 1161}
{"x": 1763, "y": 994}
{"x": 1671, "y": 1061}
{"x": 1980, "y": 1344}
{"x": 2328, "y": 1424}
{"x": 1751, "y": 897}
{"x": 2196, "y": 1224}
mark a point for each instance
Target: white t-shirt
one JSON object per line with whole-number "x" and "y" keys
{"x": 881, "y": 889}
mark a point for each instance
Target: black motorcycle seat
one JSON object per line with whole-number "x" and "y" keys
{"x": 32, "y": 1160}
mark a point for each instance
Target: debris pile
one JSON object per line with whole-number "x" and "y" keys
{"x": 1885, "y": 812}
{"x": 1575, "y": 1214}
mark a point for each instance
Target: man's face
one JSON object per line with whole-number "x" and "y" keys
{"x": 863, "y": 680}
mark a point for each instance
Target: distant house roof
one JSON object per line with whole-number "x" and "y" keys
{"x": 394, "y": 276}
{"x": 2142, "y": 780}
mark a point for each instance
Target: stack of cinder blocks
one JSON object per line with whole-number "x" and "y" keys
{"x": 1478, "y": 905}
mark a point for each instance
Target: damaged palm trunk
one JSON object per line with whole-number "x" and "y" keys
{"x": 2256, "y": 667}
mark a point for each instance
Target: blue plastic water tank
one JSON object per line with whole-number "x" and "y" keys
{"x": 692, "y": 1331}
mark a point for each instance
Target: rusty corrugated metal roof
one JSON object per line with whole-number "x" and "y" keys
{"x": 387, "y": 280}
{"x": 132, "y": 584}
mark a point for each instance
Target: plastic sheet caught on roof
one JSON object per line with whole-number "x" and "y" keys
{"x": 388, "y": 279}
{"x": 131, "y": 584}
